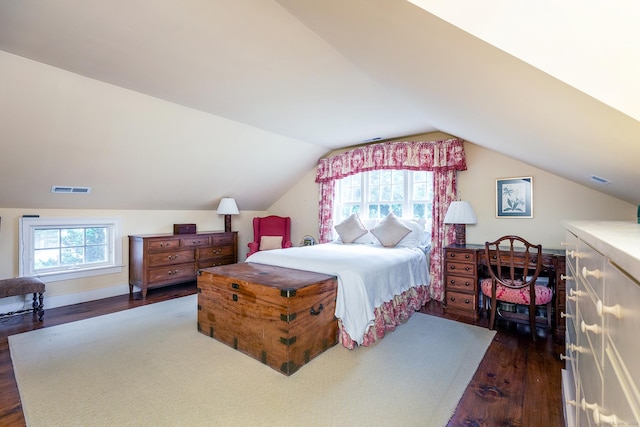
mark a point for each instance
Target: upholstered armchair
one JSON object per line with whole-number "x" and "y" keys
{"x": 270, "y": 232}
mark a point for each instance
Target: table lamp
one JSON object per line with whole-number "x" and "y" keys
{"x": 227, "y": 207}
{"x": 459, "y": 214}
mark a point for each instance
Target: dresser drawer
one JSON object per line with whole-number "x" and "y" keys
{"x": 223, "y": 240}
{"x": 462, "y": 255}
{"x": 194, "y": 241}
{"x": 460, "y": 283}
{"x": 461, "y": 301}
{"x": 164, "y": 244}
{"x": 461, "y": 268}
{"x": 172, "y": 273}
{"x": 171, "y": 257}
{"x": 215, "y": 252}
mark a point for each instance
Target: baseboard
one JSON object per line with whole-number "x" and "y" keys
{"x": 13, "y": 304}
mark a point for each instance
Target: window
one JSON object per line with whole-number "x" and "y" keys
{"x": 374, "y": 194}
{"x": 69, "y": 248}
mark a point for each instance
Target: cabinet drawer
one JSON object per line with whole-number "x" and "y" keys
{"x": 194, "y": 241}
{"x": 163, "y": 244}
{"x": 461, "y": 255}
{"x": 215, "y": 252}
{"x": 172, "y": 273}
{"x": 461, "y": 268}
{"x": 461, "y": 301}
{"x": 460, "y": 283}
{"x": 172, "y": 257}
{"x": 214, "y": 262}
{"x": 222, "y": 240}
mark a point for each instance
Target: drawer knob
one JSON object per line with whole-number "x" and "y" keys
{"x": 591, "y": 328}
{"x": 594, "y": 273}
{"x": 602, "y": 309}
{"x": 577, "y": 349}
{"x": 563, "y": 315}
{"x": 563, "y": 357}
{"x": 575, "y": 293}
{"x": 565, "y": 277}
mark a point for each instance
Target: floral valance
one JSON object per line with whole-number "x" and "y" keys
{"x": 430, "y": 156}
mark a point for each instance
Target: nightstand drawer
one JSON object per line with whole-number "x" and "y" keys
{"x": 461, "y": 301}
{"x": 460, "y": 283}
{"x": 462, "y": 255}
{"x": 461, "y": 268}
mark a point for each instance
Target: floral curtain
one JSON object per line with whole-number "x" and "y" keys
{"x": 443, "y": 158}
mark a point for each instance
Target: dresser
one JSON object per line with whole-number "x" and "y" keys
{"x": 602, "y": 374}
{"x": 165, "y": 259}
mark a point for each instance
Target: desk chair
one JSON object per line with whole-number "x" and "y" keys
{"x": 513, "y": 279}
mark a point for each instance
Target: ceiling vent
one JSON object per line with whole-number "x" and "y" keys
{"x": 599, "y": 180}
{"x": 70, "y": 190}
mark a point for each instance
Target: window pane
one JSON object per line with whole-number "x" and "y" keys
{"x": 45, "y": 238}
{"x": 71, "y": 256}
{"x": 72, "y": 237}
{"x": 96, "y": 253}
{"x": 43, "y": 258}
{"x": 96, "y": 236}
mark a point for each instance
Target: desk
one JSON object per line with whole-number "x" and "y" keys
{"x": 465, "y": 265}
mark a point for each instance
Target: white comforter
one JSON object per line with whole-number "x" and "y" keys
{"x": 367, "y": 275}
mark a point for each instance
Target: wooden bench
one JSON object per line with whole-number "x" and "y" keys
{"x": 22, "y": 286}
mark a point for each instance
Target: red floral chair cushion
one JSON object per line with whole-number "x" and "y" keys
{"x": 517, "y": 296}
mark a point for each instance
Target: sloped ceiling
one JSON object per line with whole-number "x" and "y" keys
{"x": 258, "y": 90}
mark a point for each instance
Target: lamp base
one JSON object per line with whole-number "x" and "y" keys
{"x": 227, "y": 223}
{"x": 461, "y": 234}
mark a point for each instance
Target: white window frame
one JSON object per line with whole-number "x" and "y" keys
{"x": 364, "y": 187}
{"x": 29, "y": 225}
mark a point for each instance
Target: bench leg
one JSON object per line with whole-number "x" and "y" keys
{"x": 38, "y": 305}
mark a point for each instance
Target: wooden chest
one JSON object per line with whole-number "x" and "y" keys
{"x": 280, "y": 316}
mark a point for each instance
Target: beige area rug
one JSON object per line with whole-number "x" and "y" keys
{"x": 149, "y": 366}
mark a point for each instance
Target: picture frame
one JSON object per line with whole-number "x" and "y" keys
{"x": 514, "y": 197}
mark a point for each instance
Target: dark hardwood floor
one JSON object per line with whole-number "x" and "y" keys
{"x": 517, "y": 383}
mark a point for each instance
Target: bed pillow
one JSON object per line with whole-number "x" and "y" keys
{"x": 419, "y": 236}
{"x": 270, "y": 242}
{"x": 351, "y": 229}
{"x": 390, "y": 231}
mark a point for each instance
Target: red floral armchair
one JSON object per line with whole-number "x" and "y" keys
{"x": 270, "y": 232}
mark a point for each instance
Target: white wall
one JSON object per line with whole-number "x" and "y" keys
{"x": 555, "y": 200}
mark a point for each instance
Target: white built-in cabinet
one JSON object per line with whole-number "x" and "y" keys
{"x": 602, "y": 354}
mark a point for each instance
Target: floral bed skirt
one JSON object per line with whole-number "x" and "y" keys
{"x": 389, "y": 315}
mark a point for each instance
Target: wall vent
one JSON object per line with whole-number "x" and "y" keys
{"x": 599, "y": 180}
{"x": 70, "y": 190}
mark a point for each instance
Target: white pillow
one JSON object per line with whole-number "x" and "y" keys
{"x": 351, "y": 229}
{"x": 419, "y": 237}
{"x": 390, "y": 231}
{"x": 270, "y": 242}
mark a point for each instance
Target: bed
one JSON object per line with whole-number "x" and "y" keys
{"x": 378, "y": 287}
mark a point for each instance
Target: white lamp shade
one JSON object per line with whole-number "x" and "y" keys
{"x": 460, "y": 212}
{"x": 228, "y": 206}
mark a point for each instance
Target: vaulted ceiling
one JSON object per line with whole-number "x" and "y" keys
{"x": 280, "y": 83}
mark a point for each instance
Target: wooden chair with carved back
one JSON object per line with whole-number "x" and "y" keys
{"x": 514, "y": 266}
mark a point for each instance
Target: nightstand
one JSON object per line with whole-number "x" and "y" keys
{"x": 461, "y": 280}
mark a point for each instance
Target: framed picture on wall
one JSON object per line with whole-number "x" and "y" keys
{"x": 514, "y": 197}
